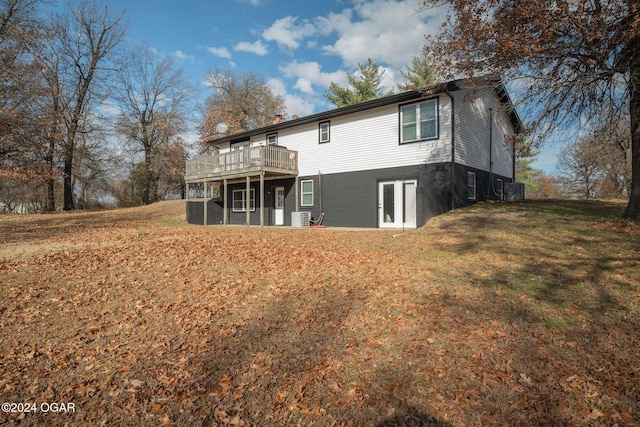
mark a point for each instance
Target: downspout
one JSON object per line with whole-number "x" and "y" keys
{"x": 320, "y": 189}
{"x": 490, "y": 187}
{"x": 452, "y": 185}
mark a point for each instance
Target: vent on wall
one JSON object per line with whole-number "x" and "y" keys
{"x": 514, "y": 191}
{"x": 300, "y": 219}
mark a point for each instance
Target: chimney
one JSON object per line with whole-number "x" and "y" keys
{"x": 279, "y": 118}
{"x": 411, "y": 88}
{"x": 295, "y": 117}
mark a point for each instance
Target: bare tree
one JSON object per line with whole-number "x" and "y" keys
{"x": 579, "y": 162}
{"x": 567, "y": 58}
{"x": 154, "y": 99}
{"x": 85, "y": 37}
{"x": 243, "y": 102}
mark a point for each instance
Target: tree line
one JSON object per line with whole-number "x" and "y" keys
{"x": 77, "y": 104}
{"x": 70, "y": 85}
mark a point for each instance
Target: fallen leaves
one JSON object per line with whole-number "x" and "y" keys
{"x": 243, "y": 326}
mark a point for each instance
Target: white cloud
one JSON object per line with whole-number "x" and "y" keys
{"x": 311, "y": 72}
{"x": 253, "y": 3}
{"x": 388, "y": 31}
{"x": 304, "y": 85}
{"x": 277, "y": 86}
{"x": 295, "y": 104}
{"x": 222, "y": 52}
{"x": 181, "y": 55}
{"x": 287, "y": 33}
{"x": 258, "y": 48}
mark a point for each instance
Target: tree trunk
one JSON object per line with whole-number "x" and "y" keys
{"x": 67, "y": 183}
{"x": 68, "y": 204}
{"x": 51, "y": 199}
{"x": 148, "y": 172}
{"x": 633, "y": 208}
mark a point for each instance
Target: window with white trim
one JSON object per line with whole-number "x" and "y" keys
{"x": 419, "y": 121}
{"x": 306, "y": 192}
{"x": 240, "y": 200}
{"x": 272, "y": 139}
{"x": 324, "y": 134}
{"x": 500, "y": 189}
{"x": 471, "y": 185}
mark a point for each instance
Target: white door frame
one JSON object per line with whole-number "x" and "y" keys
{"x": 278, "y": 205}
{"x": 397, "y": 206}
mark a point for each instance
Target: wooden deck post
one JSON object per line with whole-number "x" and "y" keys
{"x": 224, "y": 204}
{"x": 261, "y": 199}
{"x": 204, "y": 221}
{"x": 247, "y": 201}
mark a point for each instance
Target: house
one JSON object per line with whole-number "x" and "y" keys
{"x": 394, "y": 162}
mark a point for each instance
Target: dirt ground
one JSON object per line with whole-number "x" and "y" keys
{"x": 499, "y": 314}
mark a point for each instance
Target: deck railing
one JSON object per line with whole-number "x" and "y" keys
{"x": 250, "y": 159}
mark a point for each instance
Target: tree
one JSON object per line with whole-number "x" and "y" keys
{"x": 20, "y": 90}
{"x": 579, "y": 163}
{"x": 243, "y": 102}
{"x": 85, "y": 37}
{"x": 362, "y": 86}
{"x": 154, "y": 100}
{"x": 525, "y": 172}
{"x": 420, "y": 73}
{"x": 568, "y": 58}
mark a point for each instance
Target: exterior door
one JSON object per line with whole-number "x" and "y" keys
{"x": 397, "y": 204}
{"x": 279, "y": 206}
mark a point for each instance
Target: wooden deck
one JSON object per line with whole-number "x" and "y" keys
{"x": 270, "y": 160}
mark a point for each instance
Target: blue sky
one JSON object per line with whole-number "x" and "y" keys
{"x": 298, "y": 46}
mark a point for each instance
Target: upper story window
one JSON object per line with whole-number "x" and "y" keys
{"x": 324, "y": 134}
{"x": 272, "y": 139}
{"x": 240, "y": 145}
{"x": 419, "y": 121}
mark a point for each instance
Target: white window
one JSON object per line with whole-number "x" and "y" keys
{"x": 419, "y": 121}
{"x": 306, "y": 192}
{"x": 471, "y": 185}
{"x": 272, "y": 139}
{"x": 240, "y": 200}
{"x": 500, "y": 189}
{"x": 324, "y": 132}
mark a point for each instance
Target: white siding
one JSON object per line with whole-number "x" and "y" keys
{"x": 472, "y": 132}
{"x": 364, "y": 141}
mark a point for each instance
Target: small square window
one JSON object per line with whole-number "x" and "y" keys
{"x": 272, "y": 139}
{"x": 239, "y": 203}
{"x": 324, "y": 132}
{"x": 306, "y": 192}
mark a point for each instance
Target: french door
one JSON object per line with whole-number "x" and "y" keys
{"x": 397, "y": 204}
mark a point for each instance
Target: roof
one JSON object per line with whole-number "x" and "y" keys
{"x": 409, "y": 95}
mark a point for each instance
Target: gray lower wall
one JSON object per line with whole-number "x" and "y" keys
{"x": 351, "y": 199}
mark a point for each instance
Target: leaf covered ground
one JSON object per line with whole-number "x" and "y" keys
{"x": 498, "y": 314}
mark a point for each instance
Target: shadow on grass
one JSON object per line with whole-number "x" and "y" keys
{"x": 564, "y": 280}
{"x": 411, "y": 417}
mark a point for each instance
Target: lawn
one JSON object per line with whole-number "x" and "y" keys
{"x": 498, "y": 314}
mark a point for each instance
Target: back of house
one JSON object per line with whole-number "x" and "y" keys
{"x": 392, "y": 162}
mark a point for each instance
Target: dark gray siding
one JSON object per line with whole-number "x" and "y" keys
{"x": 351, "y": 199}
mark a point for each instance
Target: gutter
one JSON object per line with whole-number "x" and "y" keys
{"x": 452, "y": 185}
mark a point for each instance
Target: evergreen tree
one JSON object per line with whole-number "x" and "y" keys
{"x": 362, "y": 86}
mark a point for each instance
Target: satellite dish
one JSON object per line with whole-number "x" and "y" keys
{"x": 222, "y": 127}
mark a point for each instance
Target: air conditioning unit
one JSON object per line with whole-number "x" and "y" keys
{"x": 514, "y": 191}
{"x": 300, "y": 219}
